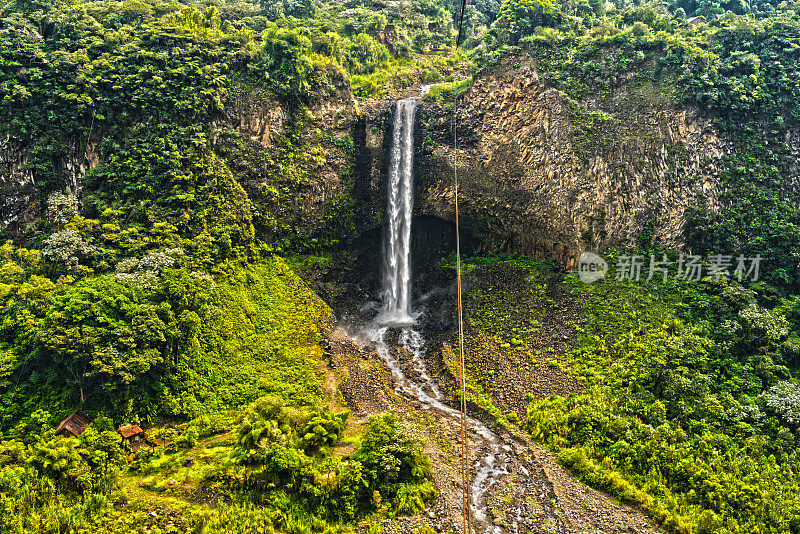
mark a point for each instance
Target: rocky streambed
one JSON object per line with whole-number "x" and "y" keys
{"x": 515, "y": 485}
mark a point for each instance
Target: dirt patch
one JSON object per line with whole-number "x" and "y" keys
{"x": 361, "y": 378}
{"x": 519, "y": 323}
{"x": 535, "y": 367}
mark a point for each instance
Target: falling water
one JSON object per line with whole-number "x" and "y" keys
{"x": 400, "y": 199}
{"x": 396, "y": 311}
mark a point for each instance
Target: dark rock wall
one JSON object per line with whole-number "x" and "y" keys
{"x": 526, "y": 188}
{"x": 527, "y": 185}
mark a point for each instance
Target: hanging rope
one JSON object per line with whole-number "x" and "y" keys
{"x": 461, "y": 22}
{"x": 464, "y": 452}
{"x": 467, "y": 526}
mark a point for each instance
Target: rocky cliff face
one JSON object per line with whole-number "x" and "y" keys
{"x": 261, "y": 120}
{"x": 540, "y": 174}
{"x": 19, "y": 206}
{"x": 535, "y": 179}
{"x": 17, "y": 187}
{"x": 258, "y": 119}
{"x": 266, "y": 126}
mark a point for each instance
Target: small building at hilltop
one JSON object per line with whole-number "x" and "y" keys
{"x": 133, "y": 435}
{"x": 74, "y": 424}
{"x": 696, "y": 21}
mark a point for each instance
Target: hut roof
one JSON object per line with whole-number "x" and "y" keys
{"x": 75, "y": 423}
{"x": 128, "y": 431}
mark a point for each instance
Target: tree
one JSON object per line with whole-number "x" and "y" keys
{"x": 783, "y": 399}
{"x": 323, "y": 429}
{"x": 521, "y": 17}
{"x": 108, "y": 339}
{"x": 101, "y": 445}
{"x": 66, "y": 249}
{"x": 61, "y": 209}
{"x": 709, "y": 8}
{"x": 365, "y": 54}
{"x": 390, "y": 454}
{"x": 278, "y": 9}
{"x": 266, "y": 422}
{"x": 283, "y": 61}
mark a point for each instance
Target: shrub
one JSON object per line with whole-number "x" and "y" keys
{"x": 265, "y": 422}
{"x": 519, "y": 18}
{"x": 448, "y": 92}
{"x": 783, "y": 399}
{"x": 390, "y": 456}
{"x": 323, "y": 429}
{"x": 284, "y": 62}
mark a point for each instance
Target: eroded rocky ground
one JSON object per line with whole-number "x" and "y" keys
{"x": 536, "y": 494}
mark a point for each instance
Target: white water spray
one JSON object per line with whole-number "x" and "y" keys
{"x": 400, "y": 203}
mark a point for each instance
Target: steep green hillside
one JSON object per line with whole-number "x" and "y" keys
{"x": 680, "y": 397}
{"x": 252, "y": 338}
{"x": 263, "y": 338}
{"x": 689, "y": 406}
{"x": 161, "y": 340}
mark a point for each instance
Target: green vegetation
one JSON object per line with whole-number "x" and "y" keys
{"x": 158, "y": 340}
{"x": 689, "y": 404}
{"x": 614, "y": 61}
{"x": 149, "y": 289}
{"x": 276, "y": 474}
{"x": 503, "y": 309}
{"x": 688, "y": 398}
{"x": 281, "y": 452}
{"x": 435, "y": 68}
{"x": 448, "y": 92}
{"x": 691, "y": 389}
{"x": 263, "y": 338}
{"x": 760, "y": 218}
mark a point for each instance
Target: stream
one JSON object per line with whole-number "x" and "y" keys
{"x": 493, "y": 463}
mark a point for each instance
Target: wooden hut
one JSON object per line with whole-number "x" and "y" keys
{"x": 133, "y": 435}
{"x": 74, "y": 425}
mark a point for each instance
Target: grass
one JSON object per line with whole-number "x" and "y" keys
{"x": 264, "y": 339}
{"x": 448, "y": 92}
{"x": 401, "y": 73}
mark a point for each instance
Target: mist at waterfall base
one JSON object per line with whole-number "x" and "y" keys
{"x": 396, "y": 320}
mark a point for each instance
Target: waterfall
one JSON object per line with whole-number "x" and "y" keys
{"x": 495, "y": 456}
{"x": 396, "y": 294}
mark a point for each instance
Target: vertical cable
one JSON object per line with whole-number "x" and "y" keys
{"x": 464, "y": 451}
{"x": 461, "y": 22}
{"x": 467, "y": 527}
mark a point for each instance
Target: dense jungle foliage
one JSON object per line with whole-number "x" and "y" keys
{"x": 688, "y": 395}
{"x": 690, "y": 403}
{"x": 152, "y": 288}
{"x": 691, "y": 389}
